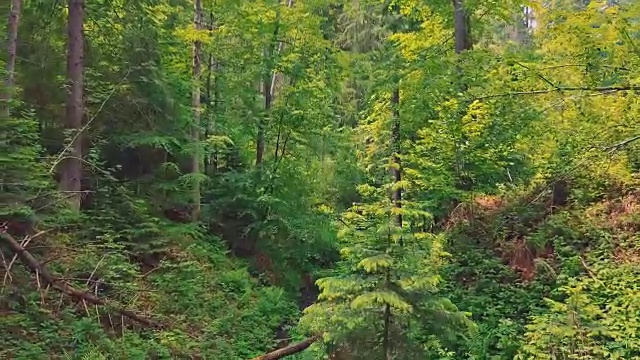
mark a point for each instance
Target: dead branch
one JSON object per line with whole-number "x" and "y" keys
{"x": 24, "y": 243}
{"x": 7, "y": 268}
{"x": 32, "y": 263}
{"x": 602, "y": 89}
{"x": 589, "y": 271}
{"x": 68, "y": 146}
{"x": 622, "y": 144}
{"x": 289, "y": 350}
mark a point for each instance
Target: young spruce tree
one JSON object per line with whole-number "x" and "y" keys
{"x": 383, "y": 301}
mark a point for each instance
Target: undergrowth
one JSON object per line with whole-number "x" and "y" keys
{"x": 212, "y": 307}
{"x": 568, "y": 298}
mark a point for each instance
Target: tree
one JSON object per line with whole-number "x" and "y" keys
{"x": 71, "y": 164}
{"x": 7, "y": 93}
{"x": 273, "y": 50}
{"x": 197, "y": 110}
{"x": 24, "y": 174}
{"x": 382, "y": 303}
{"x": 461, "y": 25}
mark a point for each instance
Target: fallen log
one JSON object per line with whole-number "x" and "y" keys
{"x": 35, "y": 266}
{"x": 289, "y": 350}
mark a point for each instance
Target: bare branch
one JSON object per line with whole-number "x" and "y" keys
{"x": 589, "y": 271}
{"x": 24, "y": 243}
{"x": 552, "y": 67}
{"x": 35, "y": 266}
{"x": 603, "y": 89}
{"x": 538, "y": 74}
{"x": 622, "y": 143}
{"x": 68, "y": 146}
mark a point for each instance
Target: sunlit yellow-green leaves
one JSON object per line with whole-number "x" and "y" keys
{"x": 597, "y": 319}
{"x": 413, "y": 45}
{"x": 377, "y": 299}
{"x": 376, "y": 263}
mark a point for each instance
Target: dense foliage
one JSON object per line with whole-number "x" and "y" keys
{"x": 396, "y": 179}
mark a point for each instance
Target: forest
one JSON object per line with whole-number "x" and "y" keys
{"x": 320, "y": 179}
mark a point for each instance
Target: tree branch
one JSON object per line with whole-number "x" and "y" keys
{"x": 289, "y": 350}
{"x": 35, "y": 266}
{"x": 622, "y": 144}
{"x": 78, "y": 133}
{"x": 562, "y": 88}
{"x": 621, "y": 68}
{"x": 589, "y": 271}
{"x": 538, "y": 74}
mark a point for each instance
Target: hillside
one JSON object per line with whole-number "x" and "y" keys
{"x": 564, "y": 277}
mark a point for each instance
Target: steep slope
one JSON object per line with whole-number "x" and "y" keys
{"x": 207, "y": 304}
{"x": 544, "y": 280}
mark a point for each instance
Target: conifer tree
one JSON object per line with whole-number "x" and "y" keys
{"x": 6, "y": 94}
{"x": 23, "y": 172}
{"x": 71, "y": 162}
{"x": 385, "y": 294}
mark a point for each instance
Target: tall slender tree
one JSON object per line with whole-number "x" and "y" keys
{"x": 396, "y": 171}
{"x": 212, "y": 88}
{"x": 7, "y": 93}
{"x": 462, "y": 40}
{"x": 268, "y": 85}
{"x": 397, "y": 201}
{"x": 197, "y": 110}
{"x": 71, "y": 164}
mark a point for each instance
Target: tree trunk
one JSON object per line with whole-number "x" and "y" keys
{"x": 213, "y": 96}
{"x": 274, "y": 77}
{"x": 395, "y": 141}
{"x": 289, "y": 350}
{"x": 71, "y": 165}
{"x": 208, "y": 130}
{"x": 261, "y": 142}
{"x": 397, "y": 203}
{"x": 386, "y": 340}
{"x": 266, "y": 92}
{"x": 268, "y": 89}
{"x": 196, "y": 107}
{"x": 462, "y": 36}
{"x": 7, "y": 93}
{"x": 461, "y": 27}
